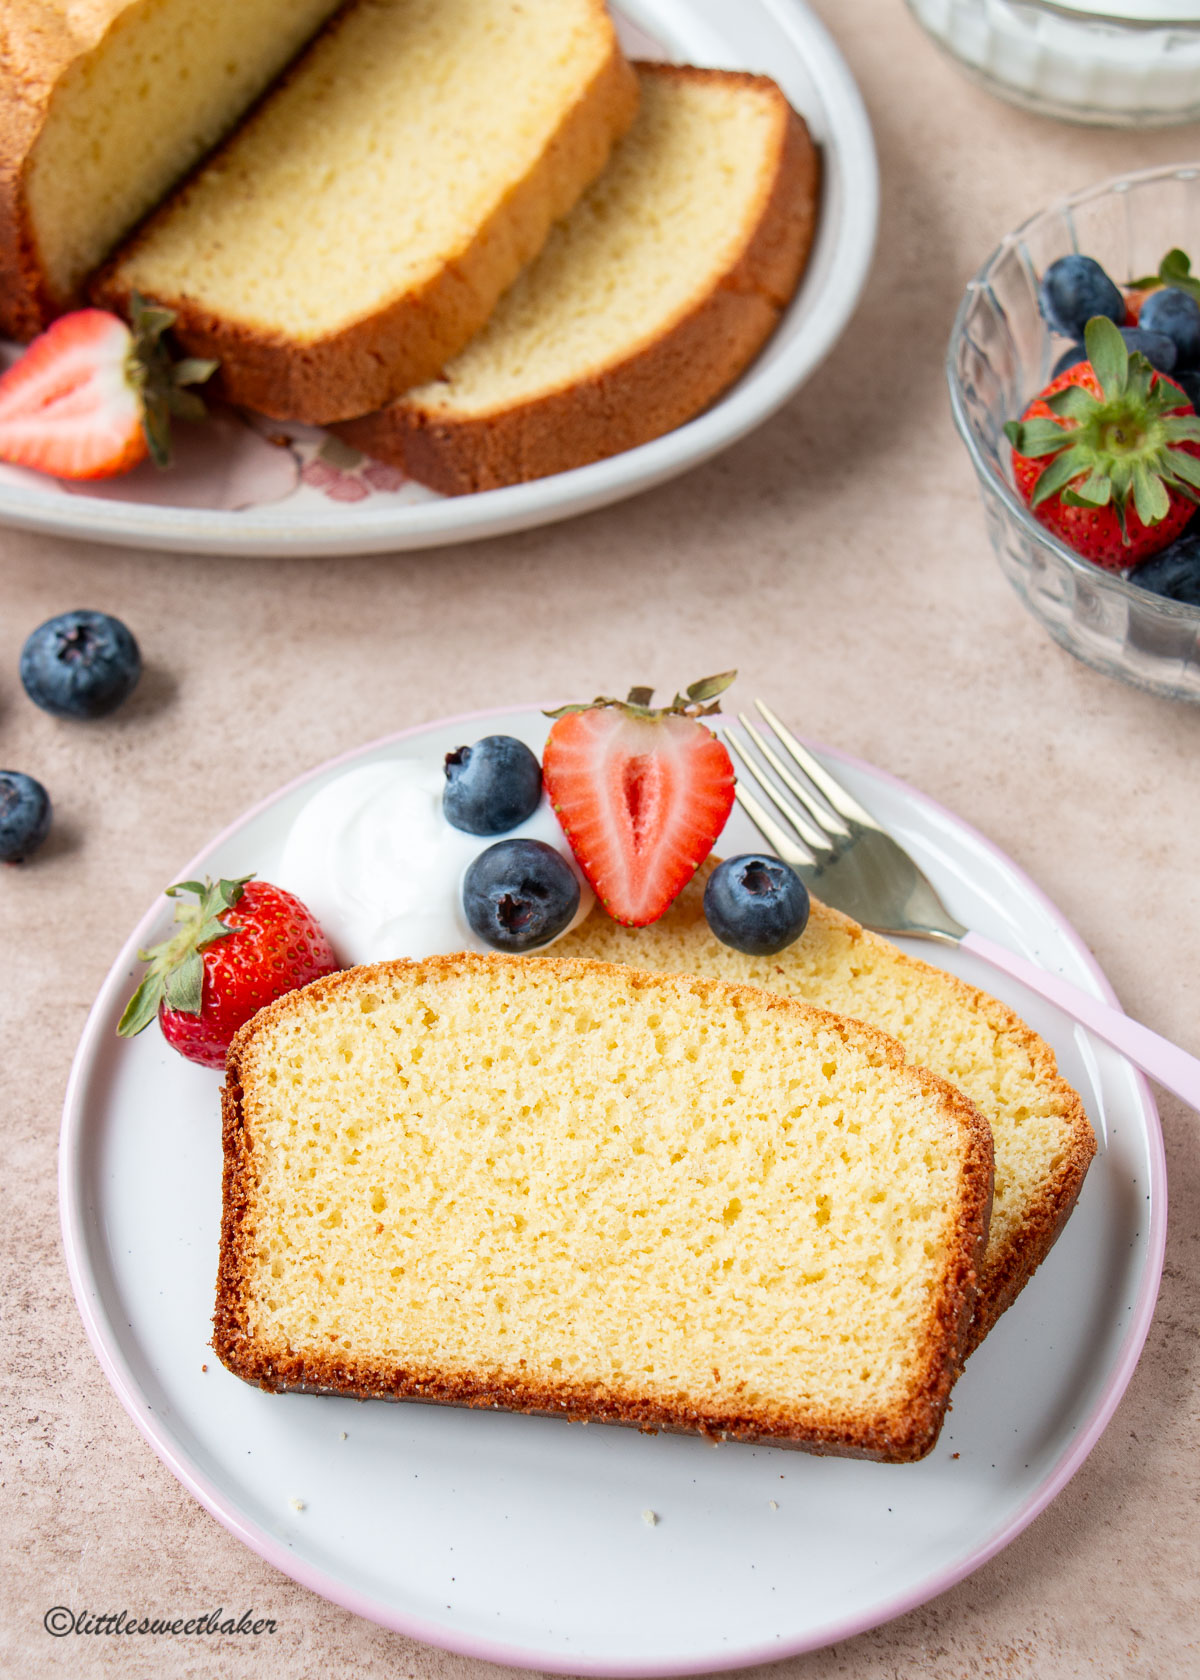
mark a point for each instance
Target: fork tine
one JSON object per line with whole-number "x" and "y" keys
{"x": 817, "y": 841}
{"x": 786, "y": 848}
{"x": 843, "y": 803}
{"x": 824, "y": 819}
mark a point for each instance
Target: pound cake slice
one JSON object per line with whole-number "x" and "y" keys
{"x": 104, "y": 105}
{"x": 650, "y": 299}
{"x": 571, "y": 1187}
{"x": 1043, "y": 1141}
{"x": 358, "y": 229}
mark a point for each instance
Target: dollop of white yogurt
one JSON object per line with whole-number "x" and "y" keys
{"x": 381, "y": 869}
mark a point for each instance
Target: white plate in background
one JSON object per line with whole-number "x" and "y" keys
{"x": 781, "y": 38}
{"x": 521, "y": 1540}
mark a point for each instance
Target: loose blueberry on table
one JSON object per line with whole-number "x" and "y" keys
{"x": 519, "y": 894}
{"x": 492, "y": 786}
{"x": 25, "y": 814}
{"x": 756, "y": 903}
{"x": 80, "y": 665}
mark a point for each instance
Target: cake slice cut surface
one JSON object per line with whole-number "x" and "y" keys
{"x": 104, "y": 105}
{"x": 360, "y": 226}
{"x": 572, "y": 1187}
{"x": 1043, "y": 1140}
{"x": 649, "y": 300}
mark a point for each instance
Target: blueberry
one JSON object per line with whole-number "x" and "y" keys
{"x": 1073, "y": 289}
{"x": 1158, "y": 349}
{"x": 519, "y": 894}
{"x": 756, "y": 904}
{"x": 24, "y": 815}
{"x": 80, "y": 665}
{"x": 1174, "y": 313}
{"x": 492, "y": 786}
{"x": 1174, "y": 571}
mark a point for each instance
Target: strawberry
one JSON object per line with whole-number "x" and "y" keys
{"x": 244, "y": 944}
{"x": 1123, "y": 479}
{"x": 91, "y": 398}
{"x": 641, "y": 792}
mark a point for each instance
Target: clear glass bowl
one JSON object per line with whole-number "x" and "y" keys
{"x": 1000, "y": 356}
{"x": 1078, "y": 61}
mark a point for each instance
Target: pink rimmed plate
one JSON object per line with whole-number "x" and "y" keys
{"x": 523, "y": 1540}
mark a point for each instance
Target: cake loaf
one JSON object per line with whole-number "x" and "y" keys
{"x": 104, "y": 105}
{"x": 359, "y": 227}
{"x": 571, "y": 1187}
{"x": 1043, "y": 1141}
{"x": 645, "y": 304}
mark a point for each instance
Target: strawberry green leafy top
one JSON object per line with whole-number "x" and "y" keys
{"x": 1174, "y": 270}
{"x": 160, "y": 380}
{"x": 1121, "y": 447}
{"x": 638, "y": 704}
{"x": 176, "y": 973}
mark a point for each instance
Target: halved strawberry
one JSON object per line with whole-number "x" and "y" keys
{"x": 642, "y": 793}
{"x": 91, "y": 398}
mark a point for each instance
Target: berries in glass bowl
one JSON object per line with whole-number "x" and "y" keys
{"x": 1004, "y": 353}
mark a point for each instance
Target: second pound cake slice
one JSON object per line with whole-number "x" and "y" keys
{"x": 650, "y": 299}
{"x": 1043, "y": 1140}
{"x": 570, "y": 1187}
{"x": 360, "y": 226}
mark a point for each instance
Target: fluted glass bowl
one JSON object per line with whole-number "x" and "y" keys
{"x": 1120, "y": 63}
{"x": 1000, "y": 356}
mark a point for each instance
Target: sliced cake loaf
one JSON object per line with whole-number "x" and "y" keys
{"x": 572, "y": 1187}
{"x": 104, "y": 105}
{"x": 360, "y": 226}
{"x": 651, "y": 298}
{"x": 1043, "y": 1141}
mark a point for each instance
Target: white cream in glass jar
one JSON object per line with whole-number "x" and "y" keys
{"x": 1128, "y": 63}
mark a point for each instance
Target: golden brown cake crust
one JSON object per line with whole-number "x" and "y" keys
{"x": 372, "y": 360}
{"x": 650, "y": 391}
{"x": 896, "y": 1438}
{"x": 37, "y": 46}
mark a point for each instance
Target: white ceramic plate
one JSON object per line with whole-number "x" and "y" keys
{"x": 522, "y": 1540}
{"x": 332, "y": 511}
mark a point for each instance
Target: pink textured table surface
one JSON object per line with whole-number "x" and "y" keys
{"x": 838, "y": 558}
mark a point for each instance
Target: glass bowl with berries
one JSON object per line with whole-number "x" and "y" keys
{"x": 1074, "y": 371}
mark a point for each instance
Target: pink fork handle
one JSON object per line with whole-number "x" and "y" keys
{"x": 1163, "y": 1061}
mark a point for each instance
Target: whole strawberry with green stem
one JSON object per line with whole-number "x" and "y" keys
{"x": 642, "y": 792}
{"x": 1106, "y": 456}
{"x": 238, "y": 946}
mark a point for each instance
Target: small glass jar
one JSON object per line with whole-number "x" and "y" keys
{"x": 1121, "y": 63}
